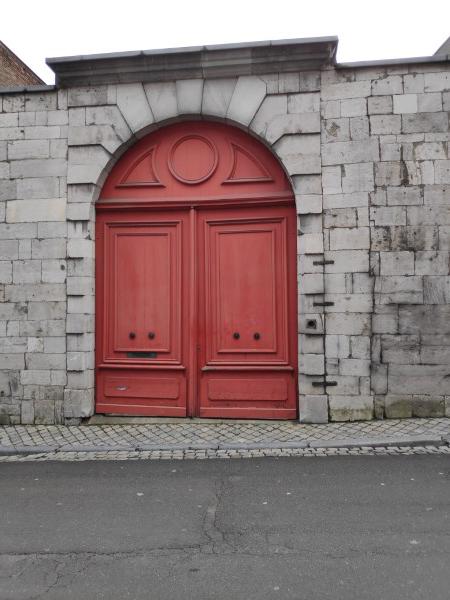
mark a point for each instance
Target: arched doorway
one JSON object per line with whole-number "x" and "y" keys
{"x": 196, "y": 294}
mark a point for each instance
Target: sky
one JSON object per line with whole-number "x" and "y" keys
{"x": 367, "y": 30}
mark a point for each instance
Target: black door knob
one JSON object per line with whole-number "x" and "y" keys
{"x": 256, "y": 336}
{"x": 236, "y": 335}
{"x": 131, "y": 335}
{"x": 151, "y": 335}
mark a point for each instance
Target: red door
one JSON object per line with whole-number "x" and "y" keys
{"x": 196, "y": 279}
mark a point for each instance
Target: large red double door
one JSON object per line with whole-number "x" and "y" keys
{"x": 196, "y": 279}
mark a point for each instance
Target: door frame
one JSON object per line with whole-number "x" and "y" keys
{"x": 192, "y": 205}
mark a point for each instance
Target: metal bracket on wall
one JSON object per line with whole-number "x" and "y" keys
{"x": 324, "y": 383}
{"x": 327, "y": 303}
{"x": 323, "y": 262}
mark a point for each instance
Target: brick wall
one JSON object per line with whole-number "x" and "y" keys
{"x": 13, "y": 71}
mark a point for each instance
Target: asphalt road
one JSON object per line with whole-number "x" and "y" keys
{"x": 290, "y": 528}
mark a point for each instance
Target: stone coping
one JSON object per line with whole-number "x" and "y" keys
{"x": 223, "y": 60}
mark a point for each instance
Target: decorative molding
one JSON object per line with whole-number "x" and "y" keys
{"x": 198, "y": 62}
{"x": 243, "y": 163}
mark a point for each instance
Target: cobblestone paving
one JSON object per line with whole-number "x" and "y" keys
{"x": 194, "y": 439}
{"x": 228, "y": 454}
{"x": 214, "y": 434}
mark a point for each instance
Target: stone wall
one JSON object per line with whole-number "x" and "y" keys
{"x": 370, "y": 181}
{"x": 386, "y": 184}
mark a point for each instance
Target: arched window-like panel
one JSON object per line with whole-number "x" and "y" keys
{"x": 196, "y": 159}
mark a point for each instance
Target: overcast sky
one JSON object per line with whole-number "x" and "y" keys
{"x": 367, "y": 30}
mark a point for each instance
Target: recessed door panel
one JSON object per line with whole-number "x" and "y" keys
{"x": 247, "y": 306}
{"x": 142, "y": 302}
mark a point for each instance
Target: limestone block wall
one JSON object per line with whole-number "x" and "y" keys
{"x": 386, "y": 185}
{"x": 367, "y": 152}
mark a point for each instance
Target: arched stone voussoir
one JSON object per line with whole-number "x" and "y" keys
{"x": 86, "y": 164}
{"x": 162, "y": 98}
{"x": 133, "y": 104}
{"x": 189, "y": 96}
{"x": 217, "y": 94}
{"x": 247, "y": 97}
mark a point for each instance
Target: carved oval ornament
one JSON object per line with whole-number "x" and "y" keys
{"x": 193, "y": 159}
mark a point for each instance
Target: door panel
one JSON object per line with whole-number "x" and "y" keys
{"x": 247, "y": 304}
{"x": 141, "y": 304}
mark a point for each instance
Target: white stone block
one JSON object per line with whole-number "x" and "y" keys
{"x": 247, "y": 96}
{"x": 397, "y": 263}
{"x": 313, "y": 409}
{"x": 271, "y": 108}
{"x": 341, "y": 91}
{"x": 356, "y": 238}
{"x": 133, "y": 104}
{"x": 23, "y": 211}
{"x": 189, "y": 96}
{"x": 405, "y": 103}
{"x": 292, "y": 124}
{"x": 311, "y": 364}
{"x": 217, "y": 95}
{"x": 303, "y": 103}
{"x": 350, "y": 152}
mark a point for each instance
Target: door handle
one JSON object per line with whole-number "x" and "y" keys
{"x": 256, "y": 336}
{"x": 151, "y": 335}
{"x": 236, "y": 335}
{"x": 131, "y": 335}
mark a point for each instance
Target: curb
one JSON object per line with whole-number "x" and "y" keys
{"x": 403, "y": 441}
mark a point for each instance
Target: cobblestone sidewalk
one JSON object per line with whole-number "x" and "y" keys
{"x": 196, "y": 439}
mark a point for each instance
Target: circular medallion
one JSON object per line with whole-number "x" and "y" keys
{"x": 192, "y": 159}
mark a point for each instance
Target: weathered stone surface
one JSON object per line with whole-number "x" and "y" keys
{"x": 351, "y": 408}
{"x": 313, "y": 409}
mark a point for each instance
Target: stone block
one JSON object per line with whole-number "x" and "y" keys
{"x": 428, "y": 215}
{"x": 87, "y": 96}
{"x": 349, "y": 303}
{"x": 359, "y": 128}
{"x": 414, "y": 83}
{"x": 354, "y": 366}
{"x": 442, "y": 171}
{"x": 271, "y": 108}
{"x": 432, "y": 263}
{"x": 350, "y": 152}
{"x": 357, "y": 178}
{"x": 335, "y": 130}
{"x": 80, "y": 323}
{"x": 341, "y": 91}
{"x": 313, "y": 409}
{"x": 311, "y": 364}
{"x": 436, "y": 290}
{"x": 355, "y": 199}
{"x": 405, "y": 103}
{"x": 307, "y": 204}
{"x": 385, "y": 124}
{"x": 78, "y": 403}
{"x": 380, "y": 105}
{"x": 435, "y": 355}
{"x": 437, "y": 82}
{"x": 356, "y": 238}
{"x": 34, "y": 292}
{"x": 48, "y": 167}
{"x": 340, "y": 217}
{"x": 189, "y": 96}
{"x": 247, "y": 96}
{"x": 133, "y": 104}
{"x": 93, "y": 135}
{"x": 337, "y": 346}
{"x": 379, "y": 378}
{"x": 347, "y": 261}
{"x": 21, "y": 149}
{"x": 348, "y": 324}
{"x": 404, "y": 196}
{"x": 388, "y": 215}
{"x": 353, "y": 107}
{"x": 27, "y": 413}
{"x": 9, "y": 362}
{"x": 35, "y": 377}
{"x": 426, "y": 406}
{"x": 9, "y": 249}
{"x": 48, "y": 248}
{"x": 397, "y": 263}
{"x": 86, "y": 164}
{"x": 310, "y": 243}
{"x": 80, "y": 248}
{"x": 311, "y": 324}
{"x": 400, "y": 349}
{"x": 304, "y": 103}
{"x": 25, "y": 211}
{"x": 351, "y": 408}
{"x": 425, "y": 122}
{"x": 292, "y": 124}
{"x": 392, "y": 84}
{"x": 38, "y": 187}
{"x": 217, "y": 95}
{"x": 398, "y": 406}
{"x": 312, "y": 283}
{"x": 27, "y": 271}
{"x": 53, "y": 271}
{"x": 418, "y": 379}
{"x": 5, "y": 271}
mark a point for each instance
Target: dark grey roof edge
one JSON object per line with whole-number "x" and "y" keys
{"x": 182, "y": 50}
{"x": 21, "y": 89}
{"x": 436, "y": 58}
